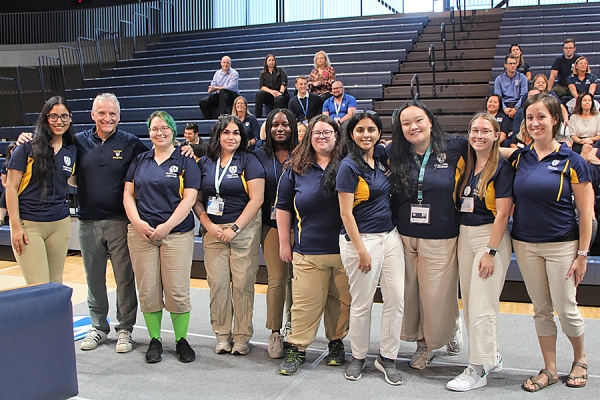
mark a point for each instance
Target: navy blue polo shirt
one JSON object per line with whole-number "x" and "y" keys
{"x": 499, "y": 187}
{"x": 159, "y": 188}
{"x": 372, "y": 190}
{"x": 54, "y": 206}
{"x": 582, "y": 85}
{"x": 544, "y": 211}
{"x": 318, "y": 221}
{"x": 273, "y": 170}
{"x": 101, "y": 170}
{"x": 439, "y": 186}
{"x": 234, "y": 188}
{"x": 504, "y": 122}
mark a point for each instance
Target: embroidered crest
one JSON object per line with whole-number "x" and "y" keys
{"x": 67, "y": 160}
{"x": 233, "y": 169}
{"x": 555, "y": 162}
{"x": 441, "y": 158}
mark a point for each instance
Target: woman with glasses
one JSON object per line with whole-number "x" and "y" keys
{"x": 273, "y": 84}
{"x": 370, "y": 247}
{"x": 229, "y": 208}
{"x": 320, "y": 285}
{"x": 240, "y": 110}
{"x": 485, "y": 192}
{"x": 36, "y": 192}
{"x": 161, "y": 187}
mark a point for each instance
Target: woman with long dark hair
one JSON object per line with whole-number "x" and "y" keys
{"x": 36, "y": 195}
{"x": 273, "y": 84}
{"x": 3, "y": 175}
{"x": 584, "y": 124}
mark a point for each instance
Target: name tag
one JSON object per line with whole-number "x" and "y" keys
{"x": 216, "y": 205}
{"x": 419, "y": 213}
{"x": 467, "y": 204}
{"x": 273, "y": 213}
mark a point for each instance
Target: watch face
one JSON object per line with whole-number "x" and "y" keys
{"x": 492, "y": 252}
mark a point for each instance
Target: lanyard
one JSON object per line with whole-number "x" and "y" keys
{"x": 337, "y": 108}
{"x": 422, "y": 167}
{"x": 275, "y": 169}
{"x": 305, "y": 110}
{"x": 219, "y": 179}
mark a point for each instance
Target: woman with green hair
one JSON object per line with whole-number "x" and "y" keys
{"x": 161, "y": 187}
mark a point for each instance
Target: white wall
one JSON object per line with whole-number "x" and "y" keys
{"x": 27, "y": 54}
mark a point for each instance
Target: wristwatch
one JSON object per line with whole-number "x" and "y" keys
{"x": 583, "y": 253}
{"x": 491, "y": 251}
{"x": 235, "y": 228}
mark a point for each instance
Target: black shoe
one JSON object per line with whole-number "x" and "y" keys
{"x": 294, "y": 359}
{"x": 153, "y": 355}
{"x": 336, "y": 355}
{"x": 184, "y": 352}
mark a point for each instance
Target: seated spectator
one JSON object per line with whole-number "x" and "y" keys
{"x": 193, "y": 140}
{"x": 301, "y": 131}
{"x": 492, "y": 105}
{"x": 305, "y": 105}
{"x": 240, "y": 110}
{"x": 562, "y": 68}
{"x": 510, "y": 86}
{"x": 516, "y": 124}
{"x": 581, "y": 81}
{"x": 224, "y": 89}
{"x": 273, "y": 84}
{"x": 340, "y": 106}
{"x": 522, "y": 138}
{"x": 540, "y": 82}
{"x": 523, "y": 66}
{"x": 321, "y": 79}
{"x": 584, "y": 124}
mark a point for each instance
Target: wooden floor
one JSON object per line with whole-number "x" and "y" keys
{"x": 74, "y": 276}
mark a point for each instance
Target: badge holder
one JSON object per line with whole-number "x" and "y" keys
{"x": 216, "y": 205}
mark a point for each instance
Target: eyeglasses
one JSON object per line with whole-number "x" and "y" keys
{"x": 63, "y": 117}
{"x": 482, "y": 132}
{"x": 191, "y": 125}
{"x": 325, "y": 134}
{"x": 368, "y": 112}
{"x": 162, "y": 129}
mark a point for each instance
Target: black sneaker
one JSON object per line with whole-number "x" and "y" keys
{"x": 294, "y": 359}
{"x": 184, "y": 352}
{"x": 153, "y": 355}
{"x": 336, "y": 355}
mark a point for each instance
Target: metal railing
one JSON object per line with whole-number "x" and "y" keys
{"x": 92, "y": 67}
{"x": 72, "y": 66}
{"x": 10, "y": 110}
{"x": 443, "y": 34}
{"x": 415, "y": 89}
{"x": 51, "y": 77}
{"x": 453, "y": 27}
{"x": 108, "y": 49}
{"x": 431, "y": 56}
{"x": 30, "y": 89}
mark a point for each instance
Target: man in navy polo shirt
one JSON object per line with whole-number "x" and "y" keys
{"x": 562, "y": 68}
{"x": 340, "y": 106}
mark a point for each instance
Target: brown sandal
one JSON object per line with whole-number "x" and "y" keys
{"x": 537, "y": 386}
{"x": 573, "y": 377}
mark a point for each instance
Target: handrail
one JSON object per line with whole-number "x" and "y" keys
{"x": 80, "y": 39}
{"x": 443, "y": 33}
{"x": 453, "y": 27}
{"x": 431, "y": 56}
{"x": 414, "y": 82}
{"x": 19, "y": 67}
{"x": 61, "y": 50}
{"x": 458, "y": 5}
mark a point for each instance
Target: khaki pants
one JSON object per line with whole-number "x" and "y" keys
{"x": 277, "y": 272}
{"x": 320, "y": 285}
{"x": 481, "y": 298}
{"x": 430, "y": 291}
{"x": 231, "y": 273}
{"x": 45, "y": 255}
{"x": 387, "y": 269}
{"x": 544, "y": 267}
{"x": 162, "y": 268}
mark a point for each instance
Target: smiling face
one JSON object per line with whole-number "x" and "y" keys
{"x": 240, "y": 107}
{"x": 190, "y": 136}
{"x": 302, "y": 86}
{"x": 321, "y": 144}
{"x": 493, "y": 105}
{"x": 301, "y": 131}
{"x": 482, "y": 135}
{"x": 540, "y": 122}
{"x": 225, "y": 64}
{"x": 105, "y": 114}
{"x": 416, "y": 126}
{"x": 160, "y": 133}
{"x": 540, "y": 84}
{"x": 280, "y": 129}
{"x": 366, "y": 134}
{"x": 230, "y": 138}
{"x": 59, "y": 127}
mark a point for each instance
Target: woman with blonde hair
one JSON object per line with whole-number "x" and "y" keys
{"x": 322, "y": 76}
{"x": 240, "y": 110}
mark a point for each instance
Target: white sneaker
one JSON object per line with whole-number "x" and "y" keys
{"x": 223, "y": 347}
{"x": 124, "y": 341}
{"x": 495, "y": 368}
{"x": 468, "y": 380}
{"x": 454, "y": 347}
{"x": 240, "y": 349}
{"x": 422, "y": 356}
{"x": 93, "y": 338}
{"x": 275, "y": 348}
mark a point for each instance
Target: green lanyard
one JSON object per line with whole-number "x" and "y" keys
{"x": 421, "y": 170}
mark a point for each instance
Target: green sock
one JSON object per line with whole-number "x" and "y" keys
{"x": 180, "y": 324}
{"x": 153, "y": 322}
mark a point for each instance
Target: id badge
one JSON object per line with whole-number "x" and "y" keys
{"x": 215, "y": 206}
{"x": 419, "y": 213}
{"x": 467, "y": 204}
{"x": 273, "y": 213}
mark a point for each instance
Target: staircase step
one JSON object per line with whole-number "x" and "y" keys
{"x": 444, "y": 77}
{"x": 431, "y": 37}
{"x": 474, "y": 54}
{"x": 455, "y": 65}
{"x": 437, "y": 106}
{"x": 443, "y": 91}
{"x": 460, "y": 44}
{"x": 476, "y": 27}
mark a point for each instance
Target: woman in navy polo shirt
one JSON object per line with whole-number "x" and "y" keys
{"x": 425, "y": 165}
{"x": 228, "y": 206}
{"x": 280, "y": 141}
{"x": 370, "y": 247}
{"x": 550, "y": 246}
{"x": 485, "y": 192}
{"x": 320, "y": 285}
{"x": 36, "y": 195}
{"x": 582, "y": 80}
{"x": 492, "y": 105}
{"x": 240, "y": 110}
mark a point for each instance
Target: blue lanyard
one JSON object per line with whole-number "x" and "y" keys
{"x": 304, "y": 109}
{"x": 422, "y": 167}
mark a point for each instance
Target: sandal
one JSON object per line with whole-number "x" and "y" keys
{"x": 537, "y": 386}
{"x": 573, "y": 377}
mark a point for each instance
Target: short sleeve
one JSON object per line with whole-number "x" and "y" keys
{"x": 571, "y": 80}
{"x": 20, "y": 155}
{"x": 352, "y": 102}
{"x": 503, "y": 184}
{"x": 578, "y": 170}
{"x": 132, "y": 168}
{"x": 253, "y": 169}
{"x": 556, "y": 63}
{"x": 347, "y": 177}
{"x": 191, "y": 174}
{"x": 285, "y": 191}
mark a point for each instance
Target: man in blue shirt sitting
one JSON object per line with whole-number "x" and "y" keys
{"x": 511, "y": 86}
{"x": 340, "y": 106}
{"x": 224, "y": 89}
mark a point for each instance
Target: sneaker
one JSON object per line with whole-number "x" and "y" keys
{"x": 495, "y": 368}
{"x": 354, "y": 369}
{"x": 93, "y": 338}
{"x": 390, "y": 372}
{"x": 275, "y": 348}
{"x": 287, "y": 330}
{"x": 468, "y": 380}
{"x": 124, "y": 341}
{"x": 153, "y": 355}
{"x": 336, "y": 355}
{"x": 240, "y": 349}
{"x": 454, "y": 347}
{"x": 184, "y": 352}
{"x": 294, "y": 359}
{"x": 422, "y": 356}
{"x": 223, "y": 348}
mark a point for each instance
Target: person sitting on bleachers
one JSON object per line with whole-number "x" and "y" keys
{"x": 522, "y": 138}
{"x": 193, "y": 140}
{"x": 540, "y": 82}
{"x": 305, "y": 105}
{"x": 510, "y": 86}
{"x": 523, "y": 66}
{"x": 321, "y": 79}
{"x": 519, "y": 117}
{"x": 492, "y": 106}
{"x": 273, "y": 84}
{"x": 340, "y": 106}
{"x": 581, "y": 81}
{"x": 224, "y": 88}
{"x": 562, "y": 68}
{"x": 585, "y": 122}
{"x": 240, "y": 110}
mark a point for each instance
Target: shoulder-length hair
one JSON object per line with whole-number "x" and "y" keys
{"x": 577, "y": 110}
{"x": 265, "y": 67}
{"x": 521, "y": 58}
{"x": 213, "y": 150}
{"x": 553, "y": 106}
{"x": 535, "y": 78}
{"x": 240, "y": 98}
{"x": 499, "y": 101}
{"x": 353, "y": 150}
{"x": 582, "y": 58}
{"x": 492, "y": 163}
{"x": 166, "y": 117}
{"x": 269, "y": 146}
{"x": 321, "y": 52}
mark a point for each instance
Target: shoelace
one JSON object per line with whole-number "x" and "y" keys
{"x": 93, "y": 336}
{"x": 123, "y": 339}
{"x": 468, "y": 372}
{"x": 291, "y": 356}
{"x": 336, "y": 347}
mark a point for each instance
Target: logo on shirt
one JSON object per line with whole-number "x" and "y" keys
{"x": 67, "y": 161}
{"x": 117, "y": 154}
{"x": 441, "y": 158}
{"x": 173, "y": 171}
{"x": 553, "y": 165}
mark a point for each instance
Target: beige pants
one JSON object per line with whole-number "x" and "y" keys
{"x": 430, "y": 291}
{"x": 481, "y": 298}
{"x": 320, "y": 285}
{"x": 45, "y": 255}
{"x": 277, "y": 272}
{"x": 231, "y": 273}
{"x": 162, "y": 270}
{"x": 544, "y": 267}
